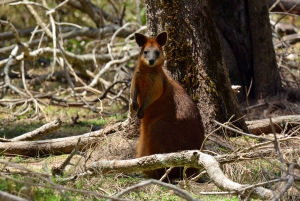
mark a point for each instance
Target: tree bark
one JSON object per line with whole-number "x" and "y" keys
{"x": 246, "y": 38}
{"x": 193, "y": 56}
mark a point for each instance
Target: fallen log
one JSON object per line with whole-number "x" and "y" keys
{"x": 58, "y": 146}
{"x": 192, "y": 158}
{"x": 258, "y": 127}
{"x": 40, "y": 132}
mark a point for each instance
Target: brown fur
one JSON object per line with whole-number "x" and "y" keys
{"x": 170, "y": 120}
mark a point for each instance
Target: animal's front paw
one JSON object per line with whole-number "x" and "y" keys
{"x": 140, "y": 114}
{"x": 135, "y": 105}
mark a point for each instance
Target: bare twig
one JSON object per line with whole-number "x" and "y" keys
{"x": 247, "y": 97}
{"x": 270, "y": 9}
{"x": 38, "y": 18}
{"x": 287, "y": 12}
{"x": 289, "y": 183}
{"x": 179, "y": 192}
{"x": 60, "y": 170}
{"x": 242, "y": 133}
{"x": 166, "y": 174}
{"x": 89, "y": 8}
{"x": 106, "y": 67}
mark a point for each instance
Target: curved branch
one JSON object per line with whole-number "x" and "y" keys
{"x": 192, "y": 158}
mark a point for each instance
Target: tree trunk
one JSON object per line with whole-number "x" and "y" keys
{"x": 193, "y": 56}
{"x": 246, "y": 40}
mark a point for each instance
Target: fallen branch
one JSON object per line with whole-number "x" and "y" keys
{"x": 58, "y": 146}
{"x": 4, "y": 196}
{"x": 40, "y": 132}
{"x": 193, "y": 159}
{"x": 258, "y": 127}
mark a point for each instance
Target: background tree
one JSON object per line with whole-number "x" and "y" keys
{"x": 246, "y": 40}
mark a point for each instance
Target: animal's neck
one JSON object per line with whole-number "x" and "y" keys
{"x": 148, "y": 69}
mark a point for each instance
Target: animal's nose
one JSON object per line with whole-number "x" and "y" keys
{"x": 151, "y": 62}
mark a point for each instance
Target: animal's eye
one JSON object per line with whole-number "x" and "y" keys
{"x": 145, "y": 52}
{"x": 157, "y": 53}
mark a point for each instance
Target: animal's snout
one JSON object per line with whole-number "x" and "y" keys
{"x": 151, "y": 62}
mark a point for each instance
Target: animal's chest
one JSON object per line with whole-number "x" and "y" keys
{"x": 150, "y": 84}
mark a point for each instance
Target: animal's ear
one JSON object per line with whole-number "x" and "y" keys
{"x": 140, "y": 39}
{"x": 162, "y": 38}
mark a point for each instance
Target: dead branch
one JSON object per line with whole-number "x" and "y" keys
{"x": 67, "y": 33}
{"x": 289, "y": 6}
{"x": 40, "y": 132}
{"x": 258, "y": 127}
{"x": 4, "y": 196}
{"x": 60, "y": 145}
{"x": 193, "y": 159}
{"x": 221, "y": 141}
{"x": 38, "y": 19}
{"x": 289, "y": 182}
{"x": 106, "y": 15}
{"x": 89, "y": 8}
{"x": 287, "y": 40}
{"x": 48, "y": 30}
{"x": 108, "y": 90}
{"x": 240, "y": 132}
{"x": 59, "y": 170}
{"x": 179, "y": 192}
{"x": 71, "y": 57}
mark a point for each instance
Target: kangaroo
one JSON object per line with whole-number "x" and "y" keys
{"x": 170, "y": 120}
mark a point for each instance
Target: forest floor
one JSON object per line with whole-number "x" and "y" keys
{"x": 118, "y": 146}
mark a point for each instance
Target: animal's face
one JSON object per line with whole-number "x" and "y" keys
{"x": 151, "y": 51}
{"x": 151, "y": 55}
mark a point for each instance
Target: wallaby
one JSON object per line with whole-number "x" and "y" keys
{"x": 170, "y": 120}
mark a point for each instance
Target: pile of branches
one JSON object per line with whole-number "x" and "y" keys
{"x": 98, "y": 67}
